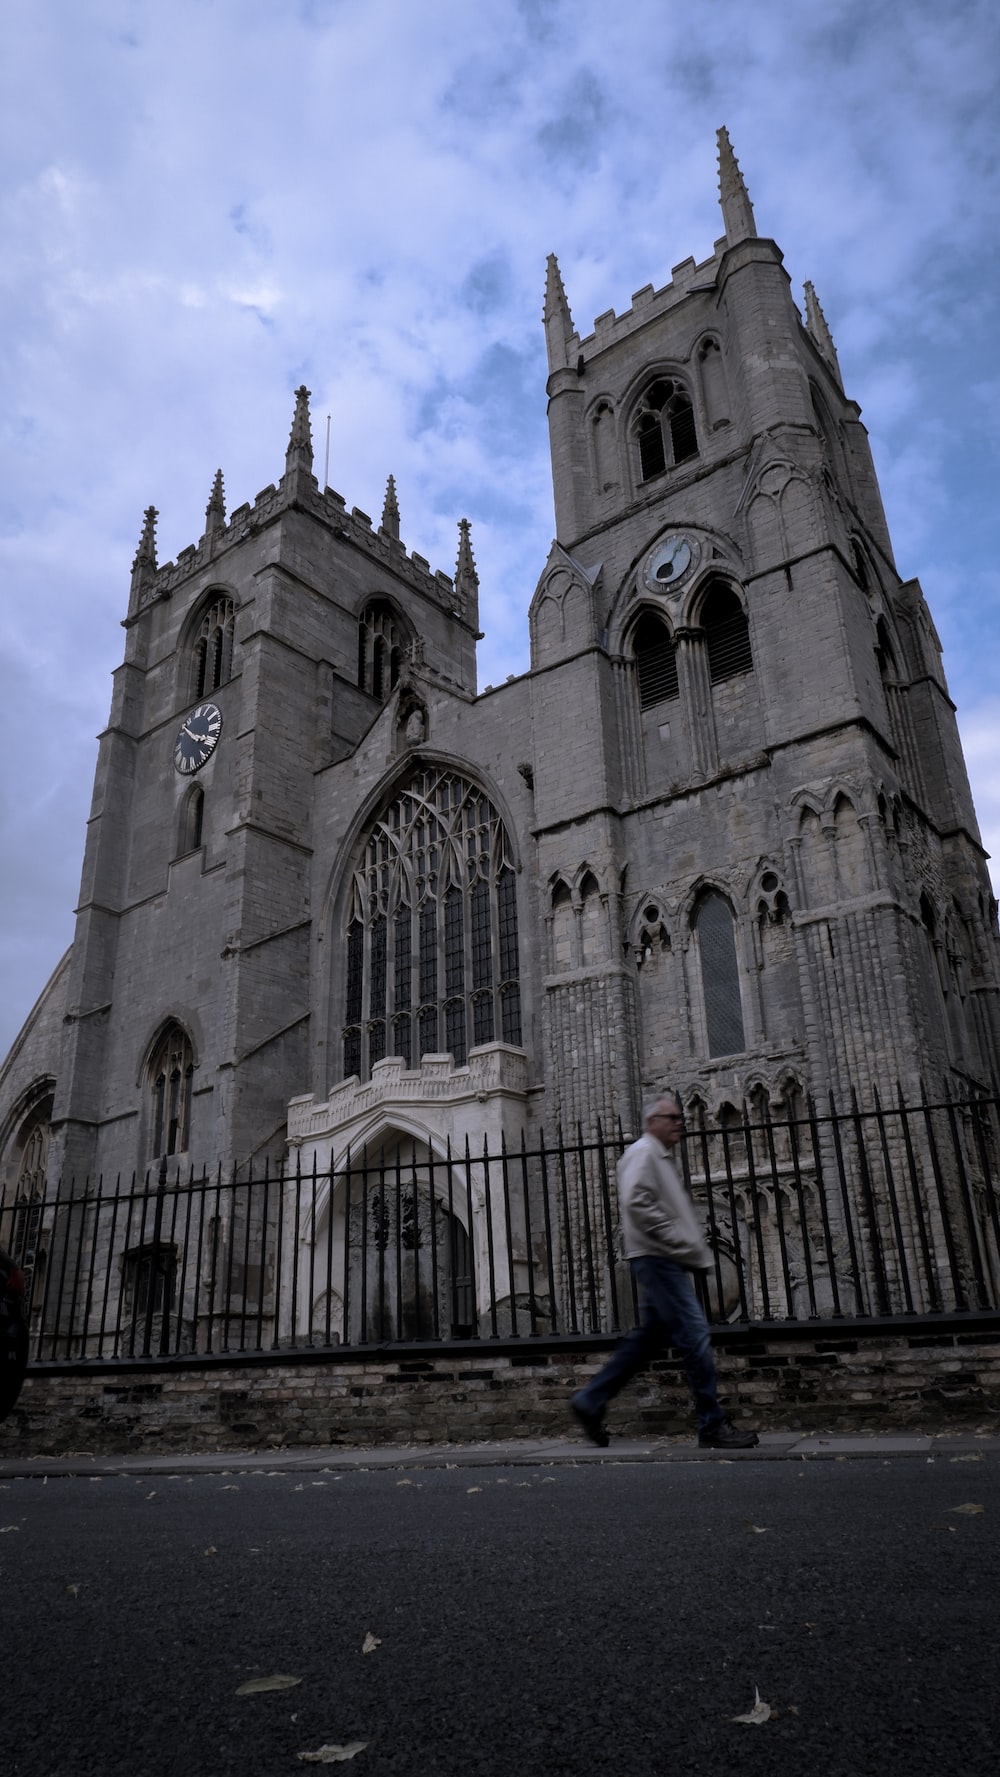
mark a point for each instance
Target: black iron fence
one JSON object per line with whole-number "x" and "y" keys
{"x": 887, "y": 1210}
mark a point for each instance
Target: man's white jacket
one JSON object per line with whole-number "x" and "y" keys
{"x": 658, "y": 1217}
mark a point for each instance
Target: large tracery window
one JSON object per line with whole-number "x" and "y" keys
{"x": 171, "y": 1069}
{"x": 431, "y": 931}
{"x": 213, "y": 649}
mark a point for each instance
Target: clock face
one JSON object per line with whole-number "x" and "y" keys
{"x": 198, "y": 738}
{"x": 669, "y": 561}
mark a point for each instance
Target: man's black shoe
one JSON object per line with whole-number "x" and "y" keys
{"x": 593, "y": 1425}
{"x": 725, "y": 1436}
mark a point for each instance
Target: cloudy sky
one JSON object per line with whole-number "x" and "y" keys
{"x": 207, "y": 202}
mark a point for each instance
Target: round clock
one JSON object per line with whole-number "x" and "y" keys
{"x": 198, "y": 738}
{"x": 669, "y": 561}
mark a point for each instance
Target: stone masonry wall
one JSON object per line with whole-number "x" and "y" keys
{"x": 840, "y": 1380}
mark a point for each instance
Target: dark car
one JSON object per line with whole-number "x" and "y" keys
{"x": 13, "y": 1332}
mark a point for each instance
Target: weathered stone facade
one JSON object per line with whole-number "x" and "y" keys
{"x": 720, "y": 834}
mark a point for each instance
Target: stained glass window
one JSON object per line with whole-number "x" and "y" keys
{"x": 170, "y": 1073}
{"x": 431, "y": 928}
{"x": 720, "y": 976}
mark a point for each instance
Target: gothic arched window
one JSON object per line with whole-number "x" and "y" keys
{"x": 664, "y": 427}
{"x": 213, "y": 648}
{"x": 713, "y": 383}
{"x": 192, "y": 821}
{"x": 170, "y": 1072}
{"x": 605, "y": 450}
{"x": 591, "y": 922}
{"x": 431, "y": 928}
{"x": 720, "y": 978}
{"x": 727, "y": 634}
{"x": 382, "y": 641}
{"x": 563, "y": 947}
{"x": 31, "y": 1166}
{"x": 655, "y": 660}
{"x": 860, "y": 565}
{"x": 885, "y": 656}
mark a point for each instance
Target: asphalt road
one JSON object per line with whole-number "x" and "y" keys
{"x": 559, "y": 1620}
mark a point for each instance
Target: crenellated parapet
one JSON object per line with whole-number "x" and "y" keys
{"x": 648, "y": 304}
{"x": 329, "y": 508}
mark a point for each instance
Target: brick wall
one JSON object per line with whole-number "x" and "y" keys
{"x": 846, "y": 1379}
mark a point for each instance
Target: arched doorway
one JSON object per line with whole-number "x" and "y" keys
{"x": 391, "y": 1257}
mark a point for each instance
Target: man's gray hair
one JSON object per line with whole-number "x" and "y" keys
{"x": 649, "y": 1108}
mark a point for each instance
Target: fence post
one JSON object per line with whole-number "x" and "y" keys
{"x": 942, "y": 1197}
{"x": 966, "y": 1196}
{"x": 871, "y": 1207}
{"x": 154, "y": 1265}
{"x": 890, "y": 1184}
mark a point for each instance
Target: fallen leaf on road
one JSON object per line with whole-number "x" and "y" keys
{"x": 72, "y": 1590}
{"x": 151, "y": 1495}
{"x": 370, "y": 1643}
{"x": 760, "y": 1711}
{"x": 4, "y": 1528}
{"x": 473, "y": 1490}
{"x": 973, "y": 1456}
{"x": 278, "y": 1681}
{"x": 760, "y": 1529}
{"x": 211, "y": 1550}
{"x": 404, "y": 1483}
{"x": 969, "y": 1510}
{"x": 232, "y": 1488}
{"x": 333, "y": 1755}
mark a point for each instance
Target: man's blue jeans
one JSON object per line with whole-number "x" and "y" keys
{"x": 669, "y": 1314}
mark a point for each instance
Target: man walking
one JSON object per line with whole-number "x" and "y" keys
{"x": 663, "y": 1244}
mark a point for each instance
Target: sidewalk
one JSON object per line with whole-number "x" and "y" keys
{"x": 517, "y": 1453}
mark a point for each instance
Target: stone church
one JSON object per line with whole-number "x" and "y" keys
{"x": 720, "y": 835}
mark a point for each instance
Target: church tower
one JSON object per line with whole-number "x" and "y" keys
{"x": 253, "y": 663}
{"x": 755, "y": 833}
